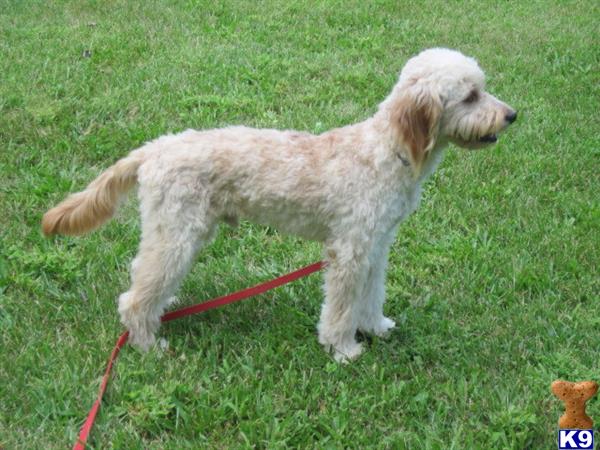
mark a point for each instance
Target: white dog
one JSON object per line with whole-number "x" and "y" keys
{"x": 348, "y": 188}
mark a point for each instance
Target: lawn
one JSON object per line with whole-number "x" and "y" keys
{"x": 494, "y": 282}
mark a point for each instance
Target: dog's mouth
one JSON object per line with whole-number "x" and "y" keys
{"x": 476, "y": 142}
{"x": 488, "y": 138}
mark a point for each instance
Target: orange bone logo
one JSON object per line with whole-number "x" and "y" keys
{"x": 574, "y": 395}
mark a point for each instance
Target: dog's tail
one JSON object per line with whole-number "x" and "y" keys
{"x": 88, "y": 209}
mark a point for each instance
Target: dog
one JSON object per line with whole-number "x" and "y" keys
{"x": 348, "y": 188}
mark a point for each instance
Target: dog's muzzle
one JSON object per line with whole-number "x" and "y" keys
{"x": 492, "y": 137}
{"x": 511, "y": 117}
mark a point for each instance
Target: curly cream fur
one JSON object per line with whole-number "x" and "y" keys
{"x": 348, "y": 188}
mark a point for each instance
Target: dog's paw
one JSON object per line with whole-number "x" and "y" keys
{"x": 141, "y": 324}
{"x": 384, "y": 327}
{"x": 381, "y": 328}
{"x": 172, "y": 301}
{"x": 141, "y": 340}
{"x": 163, "y": 344}
{"x": 348, "y": 352}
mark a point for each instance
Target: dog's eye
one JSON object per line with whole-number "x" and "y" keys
{"x": 472, "y": 97}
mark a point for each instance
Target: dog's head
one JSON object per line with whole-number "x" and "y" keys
{"x": 441, "y": 97}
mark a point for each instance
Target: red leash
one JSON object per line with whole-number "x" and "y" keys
{"x": 215, "y": 303}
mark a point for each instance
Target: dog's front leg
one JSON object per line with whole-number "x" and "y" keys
{"x": 344, "y": 283}
{"x": 371, "y": 318}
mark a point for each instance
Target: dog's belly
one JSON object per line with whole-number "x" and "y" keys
{"x": 289, "y": 221}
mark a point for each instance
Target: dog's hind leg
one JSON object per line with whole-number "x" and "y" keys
{"x": 172, "y": 233}
{"x": 344, "y": 283}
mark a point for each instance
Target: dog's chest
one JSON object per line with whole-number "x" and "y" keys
{"x": 401, "y": 204}
{"x": 407, "y": 196}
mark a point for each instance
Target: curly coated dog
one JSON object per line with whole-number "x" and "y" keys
{"x": 348, "y": 188}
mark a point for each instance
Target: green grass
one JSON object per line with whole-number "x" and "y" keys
{"x": 493, "y": 282}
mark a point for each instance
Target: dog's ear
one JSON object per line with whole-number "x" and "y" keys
{"x": 415, "y": 115}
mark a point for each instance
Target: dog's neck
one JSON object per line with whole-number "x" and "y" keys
{"x": 433, "y": 160}
{"x": 396, "y": 153}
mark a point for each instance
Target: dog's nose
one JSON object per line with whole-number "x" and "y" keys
{"x": 511, "y": 116}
